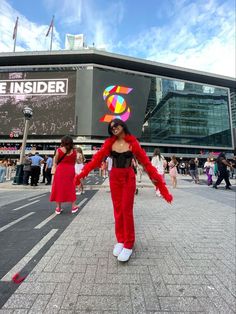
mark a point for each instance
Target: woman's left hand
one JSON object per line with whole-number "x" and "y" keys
{"x": 77, "y": 180}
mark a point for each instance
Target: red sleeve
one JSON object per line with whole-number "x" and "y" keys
{"x": 96, "y": 160}
{"x": 151, "y": 170}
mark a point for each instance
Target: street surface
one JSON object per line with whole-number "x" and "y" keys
{"x": 183, "y": 260}
{"x": 28, "y": 228}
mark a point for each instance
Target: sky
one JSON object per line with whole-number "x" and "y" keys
{"x": 195, "y": 34}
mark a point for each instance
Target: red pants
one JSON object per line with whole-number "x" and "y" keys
{"x": 123, "y": 186}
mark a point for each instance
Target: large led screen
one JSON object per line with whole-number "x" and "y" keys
{"x": 51, "y": 95}
{"x": 119, "y": 95}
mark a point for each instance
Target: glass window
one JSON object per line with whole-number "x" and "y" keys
{"x": 187, "y": 113}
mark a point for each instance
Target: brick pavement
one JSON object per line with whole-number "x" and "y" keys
{"x": 184, "y": 259}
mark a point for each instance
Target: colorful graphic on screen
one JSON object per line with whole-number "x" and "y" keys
{"x": 116, "y": 103}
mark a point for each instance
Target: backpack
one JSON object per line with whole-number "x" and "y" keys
{"x": 216, "y": 170}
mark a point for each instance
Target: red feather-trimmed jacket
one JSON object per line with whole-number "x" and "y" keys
{"x": 138, "y": 152}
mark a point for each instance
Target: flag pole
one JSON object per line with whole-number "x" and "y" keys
{"x": 52, "y": 33}
{"x": 14, "y": 49}
{"x": 15, "y": 33}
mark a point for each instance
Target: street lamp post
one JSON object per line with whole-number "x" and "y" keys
{"x": 28, "y": 112}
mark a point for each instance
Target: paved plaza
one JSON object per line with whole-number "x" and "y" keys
{"x": 183, "y": 260}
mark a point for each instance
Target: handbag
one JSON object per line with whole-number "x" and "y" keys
{"x": 54, "y": 167}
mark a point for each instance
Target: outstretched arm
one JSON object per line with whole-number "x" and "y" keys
{"x": 96, "y": 160}
{"x": 152, "y": 171}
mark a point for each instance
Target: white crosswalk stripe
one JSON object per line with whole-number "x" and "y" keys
{"x": 83, "y": 201}
{"x": 16, "y": 221}
{"x": 28, "y": 204}
{"x": 36, "y": 197}
{"x": 22, "y": 263}
{"x": 44, "y": 222}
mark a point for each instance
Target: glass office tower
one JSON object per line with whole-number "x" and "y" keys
{"x": 188, "y": 114}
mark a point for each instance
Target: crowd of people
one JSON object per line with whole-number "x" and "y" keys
{"x": 183, "y": 167}
{"x": 7, "y": 169}
{"x": 53, "y": 116}
{"x": 172, "y": 166}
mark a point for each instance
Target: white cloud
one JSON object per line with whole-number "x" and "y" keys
{"x": 200, "y": 36}
{"x": 67, "y": 12}
{"x": 99, "y": 23}
{"x": 193, "y": 34}
{"x": 30, "y": 36}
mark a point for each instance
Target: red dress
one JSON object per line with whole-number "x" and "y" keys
{"x": 63, "y": 187}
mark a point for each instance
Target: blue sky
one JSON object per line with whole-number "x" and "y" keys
{"x": 197, "y": 34}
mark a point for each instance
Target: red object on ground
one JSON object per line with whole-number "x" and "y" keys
{"x": 17, "y": 278}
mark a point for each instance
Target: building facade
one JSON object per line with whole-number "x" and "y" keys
{"x": 183, "y": 112}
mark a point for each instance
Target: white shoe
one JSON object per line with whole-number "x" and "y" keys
{"x": 117, "y": 249}
{"x": 158, "y": 193}
{"x": 124, "y": 255}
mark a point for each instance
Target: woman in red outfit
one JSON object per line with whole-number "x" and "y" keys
{"x": 123, "y": 147}
{"x": 63, "y": 188}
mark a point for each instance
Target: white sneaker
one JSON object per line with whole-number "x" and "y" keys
{"x": 117, "y": 249}
{"x": 124, "y": 255}
{"x": 158, "y": 193}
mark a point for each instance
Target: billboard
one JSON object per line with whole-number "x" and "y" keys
{"x": 119, "y": 95}
{"x": 51, "y": 95}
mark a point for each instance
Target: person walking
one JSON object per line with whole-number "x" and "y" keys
{"x": 159, "y": 162}
{"x": 193, "y": 170}
{"x": 182, "y": 167}
{"x": 36, "y": 162}
{"x": 80, "y": 159}
{"x": 223, "y": 174}
{"x": 63, "y": 187}
{"x": 209, "y": 169}
{"x": 9, "y": 169}
{"x": 233, "y": 169}
{"x": 123, "y": 147}
{"x": 196, "y": 160}
{"x": 109, "y": 165}
{"x": 173, "y": 171}
{"x": 26, "y": 169}
{"x": 48, "y": 169}
{"x": 103, "y": 168}
{"x": 3, "y": 170}
{"x": 43, "y": 170}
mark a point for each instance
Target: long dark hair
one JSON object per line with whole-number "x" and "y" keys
{"x": 80, "y": 151}
{"x": 118, "y": 122}
{"x": 67, "y": 142}
{"x": 157, "y": 152}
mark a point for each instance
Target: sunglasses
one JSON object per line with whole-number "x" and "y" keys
{"x": 114, "y": 126}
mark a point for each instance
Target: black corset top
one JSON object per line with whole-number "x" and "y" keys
{"x": 121, "y": 160}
